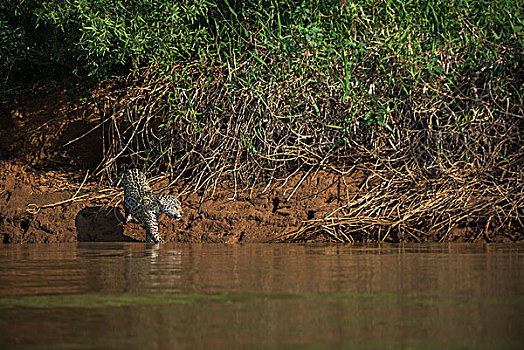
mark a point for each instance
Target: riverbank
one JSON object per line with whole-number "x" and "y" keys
{"x": 45, "y": 207}
{"x": 369, "y": 121}
{"x": 48, "y": 194}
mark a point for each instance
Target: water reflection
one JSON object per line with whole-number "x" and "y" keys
{"x": 135, "y": 296}
{"x": 130, "y": 267}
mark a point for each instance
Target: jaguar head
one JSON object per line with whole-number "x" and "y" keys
{"x": 171, "y": 206}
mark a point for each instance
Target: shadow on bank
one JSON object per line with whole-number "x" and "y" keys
{"x": 97, "y": 224}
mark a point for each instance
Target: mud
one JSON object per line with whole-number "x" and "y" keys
{"x": 31, "y": 210}
{"x": 44, "y": 198}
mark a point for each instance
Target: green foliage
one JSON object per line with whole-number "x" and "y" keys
{"x": 9, "y": 37}
{"x": 103, "y": 37}
{"x": 111, "y": 35}
{"x": 347, "y": 68}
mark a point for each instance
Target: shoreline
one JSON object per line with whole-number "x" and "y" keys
{"x": 48, "y": 194}
{"x": 31, "y": 212}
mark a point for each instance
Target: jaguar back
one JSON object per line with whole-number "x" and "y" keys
{"x": 135, "y": 182}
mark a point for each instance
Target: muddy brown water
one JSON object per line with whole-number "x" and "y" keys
{"x": 203, "y": 296}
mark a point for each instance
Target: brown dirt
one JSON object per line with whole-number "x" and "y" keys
{"x": 25, "y": 193}
{"x": 43, "y": 197}
{"x": 37, "y": 174}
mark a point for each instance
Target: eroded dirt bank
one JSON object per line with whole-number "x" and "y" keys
{"x": 46, "y": 195}
{"x": 43, "y": 196}
{"x": 37, "y": 207}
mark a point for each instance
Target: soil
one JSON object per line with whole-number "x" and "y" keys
{"x": 44, "y": 199}
{"x": 25, "y": 193}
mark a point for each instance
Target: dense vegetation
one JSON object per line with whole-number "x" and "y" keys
{"x": 427, "y": 96}
{"x": 105, "y": 37}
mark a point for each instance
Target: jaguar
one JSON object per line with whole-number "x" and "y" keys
{"x": 145, "y": 205}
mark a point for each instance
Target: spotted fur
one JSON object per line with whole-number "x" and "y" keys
{"x": 146, "y": 206}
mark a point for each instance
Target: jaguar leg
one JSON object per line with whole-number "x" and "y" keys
{"x": 151, "y": 226}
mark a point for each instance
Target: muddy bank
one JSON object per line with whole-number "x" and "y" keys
{"x": 47, "y": 195}
{"x": 44, "y": 199}
{"x": 46, "y": 207}
{"x": 37, "y": 207}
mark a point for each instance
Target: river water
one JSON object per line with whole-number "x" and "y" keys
{"x": 261, "y": 296}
